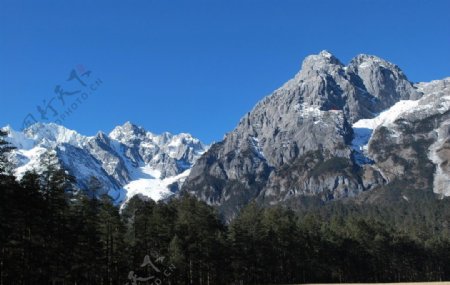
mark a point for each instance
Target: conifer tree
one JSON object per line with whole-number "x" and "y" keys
{"x": 5, "y": 148}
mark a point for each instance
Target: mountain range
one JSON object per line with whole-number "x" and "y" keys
{"x": 333, "y": 131}
{"x": 129, "y": 161}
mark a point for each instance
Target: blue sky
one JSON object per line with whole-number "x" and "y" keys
{"x": 195, "y": 66}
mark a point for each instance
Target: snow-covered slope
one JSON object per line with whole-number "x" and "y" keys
{"x": 401, "y": 121}
{"x": 127, "y": 162}
{"x": 364, "y": 128}
{"x": 148, "y": 182}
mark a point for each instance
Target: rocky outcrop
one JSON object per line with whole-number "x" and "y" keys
{"x": 297, "y": 141}
{"x": 413, "y": 146}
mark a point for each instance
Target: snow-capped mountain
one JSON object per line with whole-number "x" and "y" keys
{"x": 333, "y": 131}
{"x": 323, "y": 135}
{"x": 127, "y": 162}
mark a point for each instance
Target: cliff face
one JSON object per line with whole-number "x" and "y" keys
{"x": 301, "y": 141}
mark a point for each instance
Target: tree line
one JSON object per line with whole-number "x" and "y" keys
{"x": 51, "y": 233}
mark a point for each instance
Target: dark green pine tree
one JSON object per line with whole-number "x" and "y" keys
{"x": 247, "y": 237}
{"x": 198, "y": 247}
{"x": 56, "y": 186}
{"x": 87, "y": 252}
{"x": 5, "y": 149}
{"x": 32, "y": 205}
{"x": 112, "y": 239}
{"x": 284, "y": 246}
{"x": 11, "y": 232}
{"x": 8, "y": 212}
{"x": 137, "y": 215}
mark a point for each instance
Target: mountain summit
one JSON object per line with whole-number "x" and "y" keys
{"x": 305, "y": 140}
{"x": 127, "y": 162}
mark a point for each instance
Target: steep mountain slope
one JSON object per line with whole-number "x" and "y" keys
{"x": 412, "y": 145}
{"x": 299, "y": 141}
{"x": 128, "y": 161}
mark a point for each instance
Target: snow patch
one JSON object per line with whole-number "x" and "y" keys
{"x": 19, "y": 139}
{"x": 28, "y": 160}
{"x": 257, "y": 148}
{"x": 147, "y": 182}
{"x": 364, "y": 128}
{"x": 441, "y": 182}
{"x": 388, "y": 116}
{"x": 364, "y": 64}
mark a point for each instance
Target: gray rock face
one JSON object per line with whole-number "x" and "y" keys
{"x": 413, "y": 146}
{"x": 384, "y": 81}
{"x": 127, "y": 155}
{"x": 101, "y": 147}
{"x": 297, "y": 141}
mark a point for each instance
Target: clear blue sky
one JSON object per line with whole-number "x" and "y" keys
{"x": 197, "y": 66}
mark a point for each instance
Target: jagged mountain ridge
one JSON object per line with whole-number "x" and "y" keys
{"x": 128, "y": 161}
{"x": 300, "y": 141}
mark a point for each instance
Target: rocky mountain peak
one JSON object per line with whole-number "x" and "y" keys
{"x": 129, "y": 161}
{"x": 383, "y": 80}
{"x": 297, "y": 141}
{"x": 101, "y": 135}
{"x": 317, "y": 61}
{"x": 127, "y": 132}
{"x": 322, "y": 63}
{"x": 366, "y": 61}
{"x": 50, "y": 134}
{"x": 100, "y": 138}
